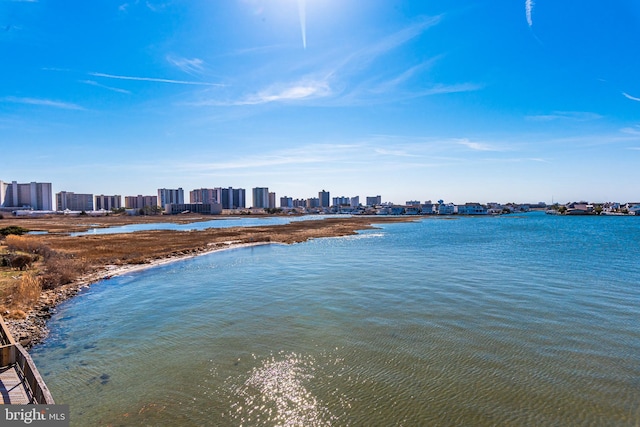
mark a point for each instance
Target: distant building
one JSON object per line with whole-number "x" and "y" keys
{"x": 472, "y": 209}
{"x": 231, "y": 198}
{"x": 140, "y": 201}
{"x": 427, "y": 208}
{"x": 341, "y": 201}
{"x": 108, "y": 202}
{"x": 633, "y": 208}
{"x": 355, "y": 202}
{"x": 580, "y": 208}
{"x": 313, "y": 202}
{"x": 374, "y": 200}
{"x": 199, "y": 208}
{"x": 299, "y": 203}
{"x": 203, "y": 195}
{"x": 68, "y": 200}
{"x": 446, "y": 209}
{"x": 34, "y": 195}
{"x": 260, "y": 197}
{"x": 167, "y": 195}
{"x": 397, "y": 210}
{"x": 413, "y": 203}
{"x": 272, "y": 200}
{"x": 323, "y": 197}
{"x": 286, "y": 202}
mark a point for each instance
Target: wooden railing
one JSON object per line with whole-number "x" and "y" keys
{"x": 13, "y": 355}
{"x": 7, "y": 346}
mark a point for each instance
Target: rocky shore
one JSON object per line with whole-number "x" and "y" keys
{"x": 111, "y": 255}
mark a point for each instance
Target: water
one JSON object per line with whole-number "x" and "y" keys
{"x": 514, "y": 321}
{"x": 202, "y": 225}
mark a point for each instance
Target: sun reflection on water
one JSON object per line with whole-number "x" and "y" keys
{"x": 277, "y": 392}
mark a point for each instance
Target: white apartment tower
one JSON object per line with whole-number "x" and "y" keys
{"x": 167, "y": 195}
{"x": 108, "y": 202}
{"x": 34, "y": 195}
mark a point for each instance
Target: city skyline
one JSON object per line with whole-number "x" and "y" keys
{"x": 499, "y": 101}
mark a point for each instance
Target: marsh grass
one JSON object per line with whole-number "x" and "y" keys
{"x": 20, "y": 295}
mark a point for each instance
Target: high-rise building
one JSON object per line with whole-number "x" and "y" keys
{"x": 286, "y": 202}
{"x": 167, "y": 195}
{"x": 272, "y": 200}
{"x": 140, "y": 201}
{"x": 260, "y": 197}
{"x": 34, "y": 195}
{"x": 374, "y": 201}
{"x": 313, "y": 202}
{"x": 203, "y": 195}
{"x": 231, "y": 198}
{"x": 68, "y": 200}
{"x": 355, "y": 201}
{"x": 323, "y": 196}
{"x": 341, "y": 201}
{"x": 108, "y": 202}
{"x": 299, "y": 203}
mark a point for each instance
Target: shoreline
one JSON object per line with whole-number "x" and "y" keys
{"x": 111, "y": 255}
{"x": 34, "y": 329}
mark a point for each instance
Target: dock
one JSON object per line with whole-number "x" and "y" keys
{"x": 20, "y": 381}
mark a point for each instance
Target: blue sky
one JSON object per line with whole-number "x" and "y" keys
{"x": 494, "y": 100}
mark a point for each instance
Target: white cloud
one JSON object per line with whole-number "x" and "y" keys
{"x": 302, "y": 90}
{"x": 633, "y": 98}
{"x": 454, "y": 88}
{"x": 401, "y": 37}
{"x": 299, "y": 91}
{"x": 153, "y": 79}
{"x": 476, "y": 146}
{"x": 397, "y": 153}
{"x": 580, "y": 116}
{"x": 368, "y": 54}
{"x": 189, "y": 66}
{"x": 114, "y": 89}
{"x": 333, "y": 79}
{"x": 528, "y": 6}
{"x": 631, "y": 130}
{"x": 42, "y": 102}
{"x": 309, "y": 154}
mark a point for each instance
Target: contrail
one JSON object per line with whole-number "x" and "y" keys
{"x": 528, "y": 5}
{"x": 303, "y": 21}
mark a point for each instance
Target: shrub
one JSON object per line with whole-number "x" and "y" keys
{"x": 61, "y": 270}
{"x": 13, "y": 230}
{"x": 27, "y": 244}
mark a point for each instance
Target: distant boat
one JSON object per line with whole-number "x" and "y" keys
{"x": 552, "y": 212}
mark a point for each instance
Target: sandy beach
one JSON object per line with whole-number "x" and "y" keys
{"x": 110, "y": 255}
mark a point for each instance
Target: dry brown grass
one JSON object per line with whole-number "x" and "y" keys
{"x": 61, "y": 270}
{"x": 27, "y": 290}
{"x": 21, "y": 295}
{"x": 28, "y": 244}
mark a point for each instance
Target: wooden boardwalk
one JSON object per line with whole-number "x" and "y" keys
{"x": 13, "y": 387}
{"x": 20, "y": 381}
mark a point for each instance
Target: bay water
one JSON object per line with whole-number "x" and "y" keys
{"x": 515, "y": 320}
